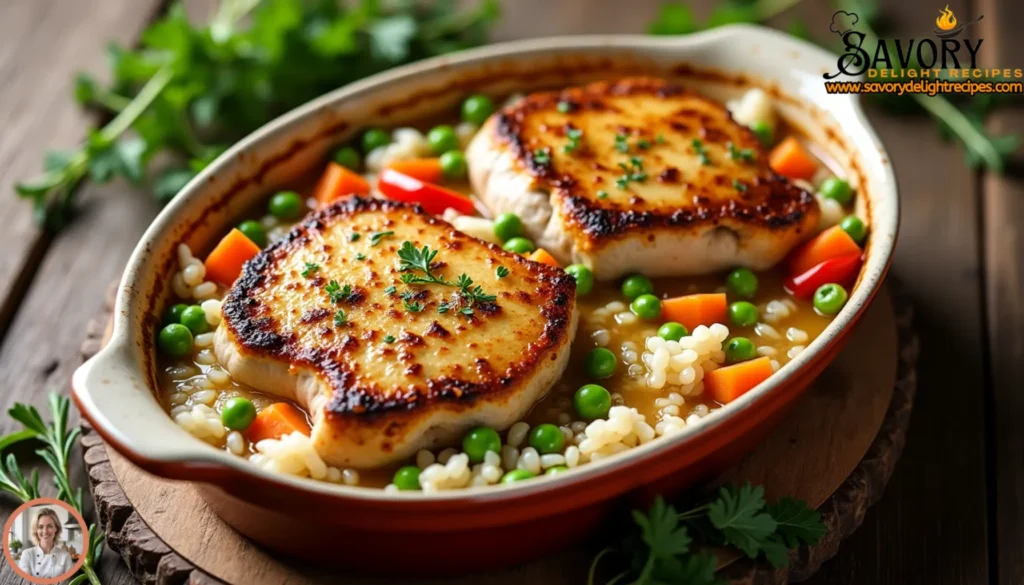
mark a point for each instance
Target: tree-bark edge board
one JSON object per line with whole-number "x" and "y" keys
{"x": 153, "y": 561}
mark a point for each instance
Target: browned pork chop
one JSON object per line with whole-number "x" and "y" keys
{"x": 638, "y": 175}
{"x": 337, "y": 317}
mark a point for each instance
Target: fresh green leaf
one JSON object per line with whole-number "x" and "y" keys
{"x": 16, "y": 437}
{"x": 167, "y": 185}
{"x": 660, "y": 530}
{"x": 796, "y": 523}
{"x": 391, "y": 37}
{"x": 85, "y": 88}
{"x": 674, "y": 18}
{"x": 775, "y": 550}
{"x": 739, "y": 514}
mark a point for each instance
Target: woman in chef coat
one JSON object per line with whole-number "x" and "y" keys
{"x": 49, "y": 558}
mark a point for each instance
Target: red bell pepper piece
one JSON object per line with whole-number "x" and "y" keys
{"x": 434, "y": 199}
{"x": 839, "y": 270}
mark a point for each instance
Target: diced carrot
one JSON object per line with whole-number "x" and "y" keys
{"x": 338, "y": 182}
{"x": 729, "y": 383}
{"x": 831, "y": 243}
{"x": 789, "y": 159}
{"x": 224, "y": 264}
{"x": 424, "y": 169}
{"x": 275, "y": 421}
{"x": 694, "y": 310}
{"x": 541, "y": 255}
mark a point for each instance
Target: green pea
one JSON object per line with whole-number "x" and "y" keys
{"x": 854, "y": 227}
{"x": 637, "y": 285}
{"x": 830, "y": 298}
{"x": 517, "y": 475}
{"x": 838, "y": 189}
{"x": 479, "y": 441}
{"x": 507, "y": 226}
{"x": 646, "y": 307}
{"x": 739, "y": 349}
{"x": 477, "y": 108}
{"x": 519, "y": 246}
{"x": 584, "y": 278}
{"x": 556, "y": 470}
{"x": 672, "y": 331}
{"x": 742, "y": 282}
{"x": 407, "y": 478}
{"x": 286, "y": 205}
{"x": 238, "y": 413}
{"x": 763, "y": 131}
{"x": 173, "y": 313}
{"x": 743, "y": 314}
{"x": 442, "y": 139}
{"x": 175, "y": 340}
{"x": 375, "y": 138}
{"x": 547, "y": 438}
{"x": 348, "y": 157}
{"x": 592, "y": 401}
{"x": 453, "y": 164}
{"x": 600, "y": 363}
{"x": 195, "y": 319}
{"x": 253, "y": 230}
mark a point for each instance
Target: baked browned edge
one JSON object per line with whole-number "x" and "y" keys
{"x": 257, "y": 334}
{"x": 774, "y": 202}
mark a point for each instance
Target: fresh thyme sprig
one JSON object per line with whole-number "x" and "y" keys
{"x": 58, "y": 441}
{"x": 416, "y": 268}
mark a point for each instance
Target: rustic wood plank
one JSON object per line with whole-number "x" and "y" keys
{"x": 1003, "y": 244}
{"x": 916, "y": 534}
{"x": 42, "y": 44}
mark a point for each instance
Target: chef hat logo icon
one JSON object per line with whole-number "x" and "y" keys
{"x": 843, "y": 22}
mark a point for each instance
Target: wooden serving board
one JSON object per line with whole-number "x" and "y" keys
{"x": 836, "y": 450}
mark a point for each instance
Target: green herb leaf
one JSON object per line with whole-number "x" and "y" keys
{"x": 354, "y": 237}
{"x": 340, "y": 318}
{"x": 660, "y": 529}
{"x": 309, "y": 269}
{"x": 390, "y": 291}
{"x": 542, "y": 156}
{"x": 796, "y": 523}
{"x": 376, "y": 237}
{"x": 413, "y": 307}
{"x": 172, "y": 180}
{"x": 360, "y": 256}
{"x": 501, "y": 272}
{"x": 739, "y": 514}
{"x": 674, "y": 18}
{"x": 389, "y": 339}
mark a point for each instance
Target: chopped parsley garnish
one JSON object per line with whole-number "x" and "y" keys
{"x": 389, "y": 339}
{"x": 574, "y": 135}
{"x": 336, "y": 292}
{"x": 741, "y": 154}
{"x": 633, "y": 173}
{"x": 660, "y": 139}
{"x": 701, "y": 151}
{"x": 310, "y": 269}
{"x": 415, "y": 264}
{"x": 621, "y": 143}
{"x": 360, "y": 256}
{"x": 542, "y": 156}
{"x": 390, "y": 291}
{"x": 502, "y": 272}
{"x": 340, "y": 318}
{"x": 563, "y": 107}
{"x": 602, "y": 194}
{"x": 742, "y": 188}
{"x": 413, "y": 307}
{"x": 376, "y": 237}
{"x": 643, "y": 144}
{"x": 443, "y": 307}
{"x": 354, "y": 237}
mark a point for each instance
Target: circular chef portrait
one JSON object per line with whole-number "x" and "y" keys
{"x": 45, "y": 541}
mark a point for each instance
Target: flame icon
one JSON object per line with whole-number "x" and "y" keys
{"x": 947, "y": 21}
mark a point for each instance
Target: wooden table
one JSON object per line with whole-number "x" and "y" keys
{"x": 952, "y": 512}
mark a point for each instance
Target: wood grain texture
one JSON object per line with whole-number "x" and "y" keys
{"x": 821, "y": 453}
{"x": 917, "y": 534}
{"x": 43, "y": 43}
{"x": 1003, "y": 240}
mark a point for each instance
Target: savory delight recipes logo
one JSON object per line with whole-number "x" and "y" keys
{"x": 948, "y": 63}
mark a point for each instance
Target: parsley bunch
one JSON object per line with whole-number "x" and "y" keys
{"x": 736, "y": 517}
{"x": 57, "y": 442}
{"x": 190, "y": 91}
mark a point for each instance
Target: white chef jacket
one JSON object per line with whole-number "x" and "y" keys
{"x": 38, "y": 564}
